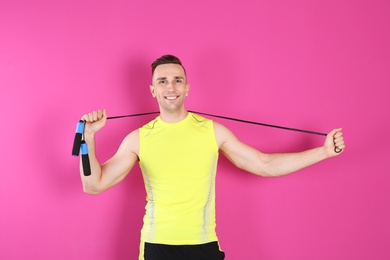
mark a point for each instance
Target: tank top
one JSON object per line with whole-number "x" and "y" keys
{"x": 178, "y": 163}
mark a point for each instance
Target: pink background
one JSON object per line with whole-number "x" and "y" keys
{"x": 307, "y": 64}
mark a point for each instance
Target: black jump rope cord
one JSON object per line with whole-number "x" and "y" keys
{"x": 229, "y": 118}
{"x": 79, "y": 143}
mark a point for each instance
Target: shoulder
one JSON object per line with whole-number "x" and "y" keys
{"x": 223, "y": 134}
{"x": 131, "y": 142}
{"x": 198, "y": 118}
{"x": 149, "y": 125}
{"x": 220, "y": 129}
{"x": 133, "y": 135}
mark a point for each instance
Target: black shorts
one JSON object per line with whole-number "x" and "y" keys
{"x": 208, "y": 251}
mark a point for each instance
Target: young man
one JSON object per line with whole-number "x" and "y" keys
{"x": 178, "y": 153}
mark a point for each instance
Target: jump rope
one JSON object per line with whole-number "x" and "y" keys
{"x": 79, "y": 143}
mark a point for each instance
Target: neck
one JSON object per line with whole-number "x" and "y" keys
{"x": 173, "y": 116}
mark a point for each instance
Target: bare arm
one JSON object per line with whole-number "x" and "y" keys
{"x": 115, "y": 169}
{"x": 277, "y": 164}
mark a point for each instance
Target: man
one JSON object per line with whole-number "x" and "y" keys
{"x": 178, "y": 154}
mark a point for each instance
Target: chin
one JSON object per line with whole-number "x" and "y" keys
{"x": 171, "y": 108}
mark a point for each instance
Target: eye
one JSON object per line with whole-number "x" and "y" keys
{"x": 161, "y": 82}
{"x": 178, "y": 80}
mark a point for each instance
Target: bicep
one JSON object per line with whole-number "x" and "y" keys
{"x": 240, "y": 154}
{"x": 117, "y": 168}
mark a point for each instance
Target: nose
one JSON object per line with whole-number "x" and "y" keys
{"x": 171, "y": 85}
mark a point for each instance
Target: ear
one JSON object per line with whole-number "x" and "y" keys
{"x": 151, "y": 88}
{"x": 188, "y": 89}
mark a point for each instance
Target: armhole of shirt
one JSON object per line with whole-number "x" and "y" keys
{"x": 214, "y": 135}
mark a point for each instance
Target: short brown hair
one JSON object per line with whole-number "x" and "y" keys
{"x": 167, "y": 59}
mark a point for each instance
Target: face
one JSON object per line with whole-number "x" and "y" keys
{"x": 170, "y": 87}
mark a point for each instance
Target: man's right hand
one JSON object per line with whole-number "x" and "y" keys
{"x": 94, "y": 121}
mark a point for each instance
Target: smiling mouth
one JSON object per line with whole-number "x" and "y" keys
{"x": 171, "y": 97}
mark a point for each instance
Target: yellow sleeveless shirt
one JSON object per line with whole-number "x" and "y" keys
{"x": 178, "y": 163}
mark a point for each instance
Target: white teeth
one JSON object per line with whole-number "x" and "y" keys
{"x": 171, "y": 98}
